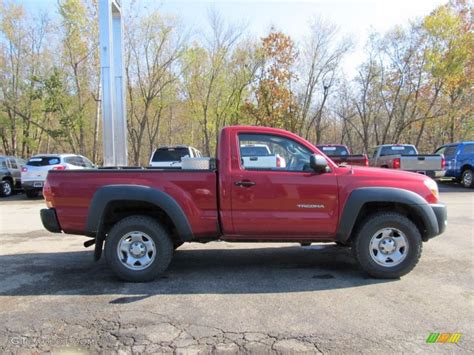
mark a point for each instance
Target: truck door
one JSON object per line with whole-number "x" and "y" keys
{"x": 286, "y": 198}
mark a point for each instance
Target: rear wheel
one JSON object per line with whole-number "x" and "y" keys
{"x": 31, "y": 193}
{"x": 138, "y": 249}
{"x": 388, "y": 245}
{"x": 467, "y": 178}
{"x": 6, "y": 188}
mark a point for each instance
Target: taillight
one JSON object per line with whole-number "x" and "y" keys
{"x": 443, "y": 163}
{"x": 60, "y": 167}
{"x": 24, "y": 169}
{"x": 48, "y": 194}
{"x": 278, "y": 162}
{"x": 366, "y": 161}
{"x": 396, "y": 163}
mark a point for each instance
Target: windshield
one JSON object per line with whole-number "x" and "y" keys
{"x": 43, "y": 161}
{"x": 170, "y": 154}
{"x": 3, "y": 163}
{"x": 398, "y": 149}
{"x": 333, "y": 150}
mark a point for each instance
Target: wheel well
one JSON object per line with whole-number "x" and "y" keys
{"x": 8, "y": 178}
{"x": 465, "y": 167}
{"x": 117, "y": 210}
{"x": 370, "y": 208}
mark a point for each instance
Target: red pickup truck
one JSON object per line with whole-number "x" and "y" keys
{"x": 340, "y": 154}
{"x": 142, "y": 214}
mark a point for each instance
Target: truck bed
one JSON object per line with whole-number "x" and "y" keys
{"x": 194, "y": 189}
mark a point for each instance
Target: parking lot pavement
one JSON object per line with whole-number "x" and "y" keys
{"x": 229, "y": 298}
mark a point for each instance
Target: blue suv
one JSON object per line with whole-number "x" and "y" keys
{"x": 459, "y": 161}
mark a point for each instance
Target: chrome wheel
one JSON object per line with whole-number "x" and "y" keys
{"x": 388, "y": 247}
{"x": 136, "y": 250}
{"x": 467, "y": 178}
{"x": 6, "y": 188}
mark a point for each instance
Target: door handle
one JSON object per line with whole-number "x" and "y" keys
{"x": 244, "y": 183}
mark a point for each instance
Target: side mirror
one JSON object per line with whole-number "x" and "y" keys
{"x": 318, "y": 163}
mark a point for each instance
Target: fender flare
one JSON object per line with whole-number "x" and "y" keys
{"x": 359, "y": 197}
{"x": 110, "y": 193}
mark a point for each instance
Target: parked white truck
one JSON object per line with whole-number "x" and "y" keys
{"x": 256, "y": 156}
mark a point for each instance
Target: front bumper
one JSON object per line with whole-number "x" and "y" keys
{"x": 441, "y": 212}
{"x": 50, "y": 220}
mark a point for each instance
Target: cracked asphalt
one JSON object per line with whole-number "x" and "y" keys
{"x": 231, "y": 298}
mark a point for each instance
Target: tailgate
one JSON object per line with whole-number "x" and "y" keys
{"x": 420, "y": 162}
{"x": 35, "y": 173}
{"x": 260, "y": 162}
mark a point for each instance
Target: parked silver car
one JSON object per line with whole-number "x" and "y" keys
{"x": 10, "y": 174}
{"x": 34, "y": 173}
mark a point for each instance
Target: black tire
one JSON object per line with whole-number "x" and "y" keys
{"x": 160, "y": 237}
{"x": 31, "y": 193}
{"x": 467, "y": 179}
{"x": 370, "y": 227}
{"x": 6, "y": 189}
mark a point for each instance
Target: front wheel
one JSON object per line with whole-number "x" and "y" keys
{"x": 467, "y": 178}
{"x": 6, "y": 188}
{"x": 388, "y": 245}
{"x": 138, "y": 249}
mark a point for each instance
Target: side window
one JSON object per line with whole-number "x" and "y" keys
{"x": 74, "y": 160}
{"x": 468, "y": 149}
{"x": 86, "y": 162}
{"x": 450, "y": 151}
{"x": 272, "y": 152}
{"x": 12, "y": 164}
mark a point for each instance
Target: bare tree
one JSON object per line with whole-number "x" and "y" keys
{"x": 322, "y": 53}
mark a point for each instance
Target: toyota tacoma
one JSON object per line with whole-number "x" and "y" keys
{"x": 138, "y": 216}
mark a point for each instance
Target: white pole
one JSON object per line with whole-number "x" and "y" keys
{"x": 113, "y": 88}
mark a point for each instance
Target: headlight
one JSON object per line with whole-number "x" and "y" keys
{"x": 432, "y": 186}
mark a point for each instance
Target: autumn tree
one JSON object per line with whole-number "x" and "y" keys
{"x": 274, "y": 103}
{"x": 80, "y": 56}
{"x": 450, "y": 61}
{"x": 22, "y": 56}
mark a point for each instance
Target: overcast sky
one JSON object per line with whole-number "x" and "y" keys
{"x": 354, "y": 18}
